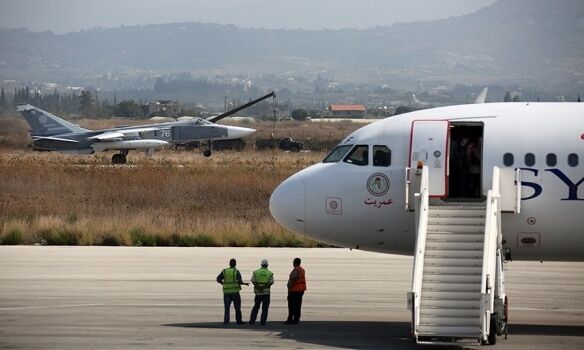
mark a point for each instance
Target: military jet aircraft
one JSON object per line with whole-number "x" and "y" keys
{"x": 51, "y": 133}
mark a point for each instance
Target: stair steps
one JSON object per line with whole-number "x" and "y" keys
{"x": 451, "y": 284}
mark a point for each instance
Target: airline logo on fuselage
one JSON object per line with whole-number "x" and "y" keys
{"x": 537, "y": 188}
{"x": 378, "y": 184}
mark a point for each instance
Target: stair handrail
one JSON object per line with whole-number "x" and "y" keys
{"x": 518, "y": 190}
{"x": 492, "y": 241}
{"x": 408, "y": 183}
{"x": 422, "y": 203}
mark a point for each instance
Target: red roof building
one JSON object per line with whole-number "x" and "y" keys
{"x": 347, "y": 111}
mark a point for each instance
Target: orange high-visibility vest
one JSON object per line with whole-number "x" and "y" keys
{"x": 300, "y": 283}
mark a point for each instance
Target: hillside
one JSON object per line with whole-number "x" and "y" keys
{"x": 536, "y": 42}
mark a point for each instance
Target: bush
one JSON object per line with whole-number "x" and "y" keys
{"x": 269, "y": 240}
{"x": 205, "y": 240}
{"x": 111, "y": 240}
{"x": 292, "y": 241}
{"x": 59, "y": 237}
{"x": 186, "y": 241}
{"x": 234, "y": 242}
{"x": 13, "y": 237}
{"x": 141, "y": 238}
{"x": 299, "y": 114}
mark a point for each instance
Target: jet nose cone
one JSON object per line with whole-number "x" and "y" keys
{"x": 237, "y": 131}
{"x": 287, "y": 204}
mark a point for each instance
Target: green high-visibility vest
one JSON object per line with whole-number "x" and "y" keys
{"x": 262, "y": 278}
{"x": 230, "y": 283}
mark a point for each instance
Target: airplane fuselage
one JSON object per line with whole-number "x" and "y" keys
{"x": 161, "y": 134}
{"x": 345, "y": 202}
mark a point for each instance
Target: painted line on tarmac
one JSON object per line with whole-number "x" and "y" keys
{"x": 276, "y": 305}
{"x": 9, "y": 308}
{"x": 102, "y": 305}
{"x": 45, "y": 307}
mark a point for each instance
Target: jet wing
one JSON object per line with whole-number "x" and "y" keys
{"x": 53, "y": 138}
{"x": 138, "y": 130}
{"x": 108, "y": 136}
{"x": 119, "y": 135}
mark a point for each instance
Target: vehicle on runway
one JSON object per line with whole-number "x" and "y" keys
{"x": 285, "y": 144}
{"x": 463, "y": 189}
{"x": 51, "y": 133}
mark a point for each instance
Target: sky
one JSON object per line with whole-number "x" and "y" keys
{"x": 62, "y": 16}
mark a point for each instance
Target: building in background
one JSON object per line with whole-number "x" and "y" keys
{"x": 347, "y": 111}
{"x": 165, "y": 108}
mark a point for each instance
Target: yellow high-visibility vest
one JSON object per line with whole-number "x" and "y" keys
{"x": 262, "y": 278}
{"x": 230, "y": 283}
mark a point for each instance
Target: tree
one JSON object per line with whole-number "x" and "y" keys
{"x": 579, "y": 98}
{"x": 128, "y": 109}
{"x": 507, "y": 97}
{"x": 3, "y": 102}
{"x": 86, "y": 102}
{"x": 403, "y": 109}
{"x": 516, "y": 98}
{"x": 299, "y": 114}
{"x": 159, "y": 85}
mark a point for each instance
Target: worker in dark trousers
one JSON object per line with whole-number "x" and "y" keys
{"x": 231, "y": 280}
{"x": 262, "y": 279}
{"x": 296, "y": 288}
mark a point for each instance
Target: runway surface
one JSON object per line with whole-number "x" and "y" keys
{"x": 157, "y": 298}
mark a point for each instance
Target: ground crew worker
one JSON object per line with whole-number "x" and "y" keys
{"x": 262, "y": 280}
{"x": 296, "y": 288}
{"x": 231, "y": 280}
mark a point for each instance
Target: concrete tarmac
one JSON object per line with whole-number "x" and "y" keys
{"x": 158, "y": 298}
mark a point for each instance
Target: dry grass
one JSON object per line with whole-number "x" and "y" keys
{"x": 173, "y": 198}
{"x": 14, "y": 133}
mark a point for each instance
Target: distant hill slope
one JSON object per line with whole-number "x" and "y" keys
{"x": 538, "y": 42}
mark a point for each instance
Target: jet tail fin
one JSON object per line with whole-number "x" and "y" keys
{"x": 482, "y": 96}
{"x": 44, "y": 123}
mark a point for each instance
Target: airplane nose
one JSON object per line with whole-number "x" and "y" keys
{"x": 237, "y": 132}
{"x": 287, "y": 204}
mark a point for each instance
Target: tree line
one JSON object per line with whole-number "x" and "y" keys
{"x": 85, "y": 103}
{"x": 88, "y": 104}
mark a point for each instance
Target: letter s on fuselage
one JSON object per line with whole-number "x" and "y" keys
{"x": 342, "y": 202}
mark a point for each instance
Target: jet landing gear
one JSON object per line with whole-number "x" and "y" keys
{"x": 120, "y": 158}
{"x": 208, "y": 151}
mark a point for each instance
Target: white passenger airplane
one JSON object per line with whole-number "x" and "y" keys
{"x": 492, "y": 181}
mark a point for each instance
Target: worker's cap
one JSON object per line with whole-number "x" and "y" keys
{"x": 264, "y": 262}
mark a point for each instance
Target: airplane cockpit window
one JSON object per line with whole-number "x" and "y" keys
{"x": 381, "y": 156}
{"x": 573, "y": 159}
{"x": 337, "y": 154}
{"x": 358, "y": 155}
{"x": 200, "y": 121}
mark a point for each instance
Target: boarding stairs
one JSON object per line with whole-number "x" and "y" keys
{"x": 451, "y": 277}
{"x": 457, "y": 294}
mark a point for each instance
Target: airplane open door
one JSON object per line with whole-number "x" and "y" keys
{"x": 429, "y": 144}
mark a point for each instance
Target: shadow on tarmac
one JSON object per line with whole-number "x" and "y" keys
{"x": 367, "y": 335}
{"x": 341, "y": 334}
{"x": 542, "y": 329}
